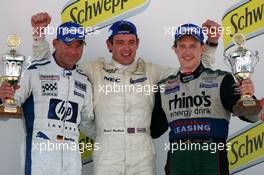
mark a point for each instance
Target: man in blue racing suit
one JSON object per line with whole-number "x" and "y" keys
{"x": 57, "y": 101}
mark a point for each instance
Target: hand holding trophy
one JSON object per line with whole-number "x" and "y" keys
{"x": 242, "y": 63}
{"x": 11, "y": 66}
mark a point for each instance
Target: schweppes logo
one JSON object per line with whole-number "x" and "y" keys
{"x": 100, "y": 13}
{"x": 247, "y": 148}
{"x": 246, "y": 17}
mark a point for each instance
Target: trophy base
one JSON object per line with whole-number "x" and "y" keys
{"x": 10, "y": 113}
{"x": 247, "y": 107}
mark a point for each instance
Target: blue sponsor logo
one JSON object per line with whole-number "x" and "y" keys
{"x": 80, "y": 86}
{"x": 208, "y": 85}
{"x": 172, "y": 90}
{"x": 196, "y": 128}
{"x": 62, "y": 110}
{"x": 138, "y": 80}
{"x": 188, "y": 78}
{"x": 78, "y": 94}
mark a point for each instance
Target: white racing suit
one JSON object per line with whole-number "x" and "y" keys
{"x": 55, "y": 102}
{"x": 123, "y": 104}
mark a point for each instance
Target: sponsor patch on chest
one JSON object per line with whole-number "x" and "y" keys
{"x": 49, "y": 77}
{"x": 139, "y": 80}
{"x": 110, "y": 71}
{"x": 111, "y": 79}
{"x": 172, "y": 89}
{"x": 209, "y": 85}
{"x": 49, "y": 88}
{"x": 81, "y": 86}
{"x": 63, "y": 110}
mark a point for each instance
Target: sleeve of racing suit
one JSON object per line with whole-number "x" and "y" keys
{"x": 208, "y": 57}
{"x": 88, "y": 69}
{"x": 87, "y": 123}
{"x": 25, "y": 88}
{"x": 229, "y": 94}
{"x": 41, "y": 48}
{"x": 159, "y": 124}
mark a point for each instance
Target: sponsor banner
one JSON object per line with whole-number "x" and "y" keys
{"x": 100, "y": 13}
{"x": 247, "y": 147}
{"x": 246, "y": 17}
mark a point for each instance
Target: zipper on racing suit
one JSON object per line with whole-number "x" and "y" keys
{"x": 64, "y": 116}
{"x": 125, "y": 115}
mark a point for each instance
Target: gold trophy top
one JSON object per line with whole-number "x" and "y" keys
{"x": 239, "y": 39}
{"x": 13, "y": 41}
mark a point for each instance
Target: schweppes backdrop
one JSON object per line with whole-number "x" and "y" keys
{"x": 100, "y": 13}
{"x": 246, "y": 17}
{"x": 247, "y": 148}
{"x": 156, "y": 22}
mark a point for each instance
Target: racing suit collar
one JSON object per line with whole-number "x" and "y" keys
{"x": 118, "y": 65}
{"x": 126, "y": 68}
{"x": 186, "y": 77}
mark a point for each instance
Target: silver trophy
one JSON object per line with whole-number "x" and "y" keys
{"x": 11, "y": 66}
{"x": 242, "y": 63}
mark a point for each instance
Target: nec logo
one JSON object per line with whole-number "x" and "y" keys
{"x": 62, "y": 110}
{"x": 117, "y": 80}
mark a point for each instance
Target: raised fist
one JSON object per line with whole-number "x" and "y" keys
{"x": 39, "y": 22}
{"x": 213, "y": 30}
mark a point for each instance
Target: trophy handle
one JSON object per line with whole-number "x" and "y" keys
{"x": 226, "y": 56}
{"x": 257, "y": 58}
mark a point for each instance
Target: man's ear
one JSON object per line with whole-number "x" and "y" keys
{"x": 109, "y": 45}
{"x": 137, "y": 42}
{"x": 203, "y": 48}
{"x": 55, "y": 43}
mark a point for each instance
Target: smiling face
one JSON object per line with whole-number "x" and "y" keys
{"x": 67, "y": 55}
{"x": 123, "y": 48}
{"x": 189, "y": 51}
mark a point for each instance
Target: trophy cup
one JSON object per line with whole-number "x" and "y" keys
{"x": 11, "y": 66}
{"x": 242, "y": 63}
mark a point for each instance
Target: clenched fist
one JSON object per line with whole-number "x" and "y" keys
{"x": 39, "y": 22}
{"x": 213, "y": 30}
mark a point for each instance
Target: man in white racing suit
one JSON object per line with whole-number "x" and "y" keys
{"x": 123, "y": 102}
{"x": 56, "y": 98}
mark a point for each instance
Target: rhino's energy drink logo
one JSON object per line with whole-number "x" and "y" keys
{"x": 100, "y": 13}
{"x": 246, "y": 17}
{"x": 247, "y": 148}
